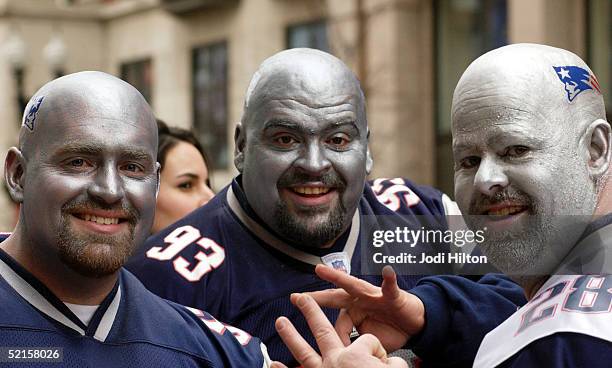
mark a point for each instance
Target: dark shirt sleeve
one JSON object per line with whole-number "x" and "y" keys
{"x": 563, "y": 350}
{"x": 459, "y": 312}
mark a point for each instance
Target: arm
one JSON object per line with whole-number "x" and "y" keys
{"x": 459, "y": 313}
{"x": 445, "y": 317}
{"x": 563, "y": 350}
{"x": 229, "y": 344}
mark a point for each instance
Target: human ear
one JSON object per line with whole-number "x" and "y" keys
{"x": 239, "y": 143}
{"x": 158, "y": 167}
{"x": 14, "y": 173}
{"x": 599, "y": 137}
{"x": 369, "y": 160}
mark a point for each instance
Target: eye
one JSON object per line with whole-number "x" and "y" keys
{"x": 516, "y": 151}
{"x": 186, "y": 185}
{"x": 77, "y": 162}
{"x": 339, "y": 140}
{"x": 133, "y": 168}
{"x": 284, "y": 140}
{"x": 469, "y": 162}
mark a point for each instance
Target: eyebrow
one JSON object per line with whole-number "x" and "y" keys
{"x": 82, "y": 148}
{"x": 462, "y": 147}
{"x": 503, "y": 138}
{"x": 279, "y": 123}
{"x": 188, "y": 175}
{"x": 93, "y": 150}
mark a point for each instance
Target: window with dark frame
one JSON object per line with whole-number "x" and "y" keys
{"x": 464, "y": 30}
{"x": 599, "y": 46}
{"x": 210, "y": 111}
{"x": 140, "y": 75}
{"x": 311, "y": 34}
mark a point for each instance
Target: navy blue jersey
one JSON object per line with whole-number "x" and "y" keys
{"x": 222, "y": 258}
{"x": 131, "y": 328}
{"x": 567, "y": 324}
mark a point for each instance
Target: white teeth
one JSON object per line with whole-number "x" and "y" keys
{"x": 505, "y": 211}
{"x": 311, "y": 190}
{"x": 102, "y": 220}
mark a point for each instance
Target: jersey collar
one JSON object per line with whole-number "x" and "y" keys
{"x": 250, "y": 221}
{"x": 40, "y": 297}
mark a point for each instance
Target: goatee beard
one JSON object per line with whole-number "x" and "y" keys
{"x": 311, "y": 228}
{"x": 95, "y": 255}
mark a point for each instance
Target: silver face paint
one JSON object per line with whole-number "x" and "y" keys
{"x": 91, "y": 157}
{"x": 520, "y": 158}
{"x": 305, "y": 146}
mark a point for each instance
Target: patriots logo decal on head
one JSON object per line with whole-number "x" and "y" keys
{"x": 576, "y": 80}
{"x": 30, "y": 117}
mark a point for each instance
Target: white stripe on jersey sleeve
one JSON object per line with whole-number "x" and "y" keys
{"x": 264, "y": 351}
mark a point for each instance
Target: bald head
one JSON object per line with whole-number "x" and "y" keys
{"x": 80, "y": 97}
{"x": 546, "y": 80}
{"x": 300, "y": 74}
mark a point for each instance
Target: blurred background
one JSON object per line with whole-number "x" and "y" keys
{"x": 193, "y": 59}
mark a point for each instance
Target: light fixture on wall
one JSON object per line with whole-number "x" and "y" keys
{"x": 15, "y": 51}
{"x": 55, "y": 54}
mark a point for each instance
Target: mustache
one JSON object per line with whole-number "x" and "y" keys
{"x": 126, "y": 211}
{"x": 481, "y": 202}
{"x": 330, "y": 179}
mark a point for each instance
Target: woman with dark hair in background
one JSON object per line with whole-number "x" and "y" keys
{"x": 184, "y": 184}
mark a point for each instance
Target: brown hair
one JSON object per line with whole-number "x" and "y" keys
{"x": 170, "y": 137}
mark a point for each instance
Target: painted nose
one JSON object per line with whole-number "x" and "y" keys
{"x": 490, "y": 177}
{"x": 107, "y": 186}
{"x": 313, "y": 161}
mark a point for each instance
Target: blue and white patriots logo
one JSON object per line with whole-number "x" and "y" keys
{"x": 576, "y": 80}
{"x": 339, "y": 265}
{"x": 30, "y": 117}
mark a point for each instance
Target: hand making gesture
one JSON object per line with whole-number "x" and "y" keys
{"x": 366, "y": 351}
{"x": 387, "y": 312}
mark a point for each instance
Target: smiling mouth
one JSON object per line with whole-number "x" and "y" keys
{"x": 504, "y": 211}
{"x": 100, "y": 220}
{"x": 310, "y": 191}
{"x": 310, "y": 196}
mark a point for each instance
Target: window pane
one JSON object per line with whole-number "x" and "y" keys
{"x": 312, "y": 35}
{"x": 139, "y": 75}
{"x": 465, "y": 29}
{"x": 600, "y": 46}
{"x": 210, "y": 101}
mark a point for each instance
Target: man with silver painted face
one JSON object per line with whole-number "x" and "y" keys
{"x": 520, "y": 155}
{"x": 532, "y": 146}
{"x": 303, "y": 148}
{"x": 300, "y": 200}
{"x": 86, "y": 177}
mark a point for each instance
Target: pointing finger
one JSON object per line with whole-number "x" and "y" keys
{"x": 323, "y": 331}
{"x": 298, "y": 347}
{"x": 352, "y": 285}
{"x": 332, "y": 298}
{"x": 389, "y": 285}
